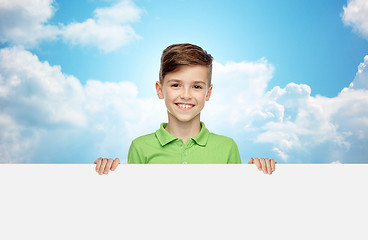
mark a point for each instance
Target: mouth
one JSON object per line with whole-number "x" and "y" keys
{"x": 184, "y": 106}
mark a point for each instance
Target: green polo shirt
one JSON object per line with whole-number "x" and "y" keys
{"x": 162, "y": 147}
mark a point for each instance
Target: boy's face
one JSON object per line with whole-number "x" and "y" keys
{"x": 185, "y": 92}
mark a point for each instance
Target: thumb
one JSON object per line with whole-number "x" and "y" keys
{"x": 251, "y": 161}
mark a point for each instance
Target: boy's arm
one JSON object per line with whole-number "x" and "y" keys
{"x": 134, "y": 155}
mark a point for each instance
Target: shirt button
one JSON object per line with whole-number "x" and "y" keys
{"x": 185, "y": 162}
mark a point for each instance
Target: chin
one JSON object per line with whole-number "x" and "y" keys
{"x": 184, "y": 119}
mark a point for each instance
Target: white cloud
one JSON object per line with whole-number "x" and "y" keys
{"x": 108, "y": 29}
{"x": 356, "y": 15}
{"x": 339, "y": 124}
{"x": 360, "y": 80}
{"x": 296, "y": 126}
{"x": 13, "y": 147}
{"x": 46, "y": 114}
{"x": 238, "y": 93}
{"x": 37, "y": 92}
{"x": 26, "y": 23}
{"x": 121, "y": 13}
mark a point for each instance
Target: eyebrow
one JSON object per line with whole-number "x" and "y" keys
{"x": 177, "y": 80}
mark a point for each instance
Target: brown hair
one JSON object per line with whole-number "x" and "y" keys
{"x": 183, "y": 54}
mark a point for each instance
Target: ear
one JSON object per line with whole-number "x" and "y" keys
{"x": 208, "y": 95}
{"x": 159, "y": 91}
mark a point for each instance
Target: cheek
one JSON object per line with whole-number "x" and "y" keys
{"x": 169, "y": 96}
{"x": 201, "y": 97}
{"x": 204, "y": 94}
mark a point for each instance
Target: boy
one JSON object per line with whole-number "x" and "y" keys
{"x": 185, "y": 84}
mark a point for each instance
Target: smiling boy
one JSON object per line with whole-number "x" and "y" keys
{"x": 185, "y": 85}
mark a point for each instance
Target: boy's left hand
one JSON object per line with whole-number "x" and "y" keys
{"x": 264, "y": 164}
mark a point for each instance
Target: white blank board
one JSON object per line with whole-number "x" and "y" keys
{"x": 298, "y": 201}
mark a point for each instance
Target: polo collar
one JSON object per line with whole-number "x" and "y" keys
{"x": 202, "y": 136}
{"x": 164, "y": 137}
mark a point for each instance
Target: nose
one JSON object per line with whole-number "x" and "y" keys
{"x": 186, "y": 93}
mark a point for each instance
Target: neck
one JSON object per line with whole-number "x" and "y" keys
{"x": 183, "y": 130}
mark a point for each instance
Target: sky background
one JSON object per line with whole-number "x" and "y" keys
{"x": 77, "y": 77}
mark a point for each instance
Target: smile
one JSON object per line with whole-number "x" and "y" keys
{"x": 184, "y": 106}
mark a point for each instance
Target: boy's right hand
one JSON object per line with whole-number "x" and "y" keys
{"x": 103, "y": 165}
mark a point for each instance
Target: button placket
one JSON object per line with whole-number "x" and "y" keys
{"x": 185, "y": 153}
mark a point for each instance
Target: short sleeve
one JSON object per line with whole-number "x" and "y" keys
{"x": 134, "y": 157}
{"x": 234, "y": 156}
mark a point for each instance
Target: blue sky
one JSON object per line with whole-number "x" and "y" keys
{"x": 299, "y": 38}
{"x": 84, "y": 73}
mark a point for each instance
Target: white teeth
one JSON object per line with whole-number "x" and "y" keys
{"x": 185, "y": 106}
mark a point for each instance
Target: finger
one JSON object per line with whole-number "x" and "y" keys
{"x": 98, "y": 163}
{"x": 273, "y": 162}
{"x": 108, "y": 166}
{"x": 251, "y": 161}
{"x": 263, "y": 164}
{"x": 268, "y": 165}
{"x": 258, "y": 164}
{"x": 115, "y": 164}
{"x": 102, "y": 167}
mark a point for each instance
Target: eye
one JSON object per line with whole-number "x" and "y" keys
{"x": 174, "y": 85}
{"x": 197, "y": 86}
